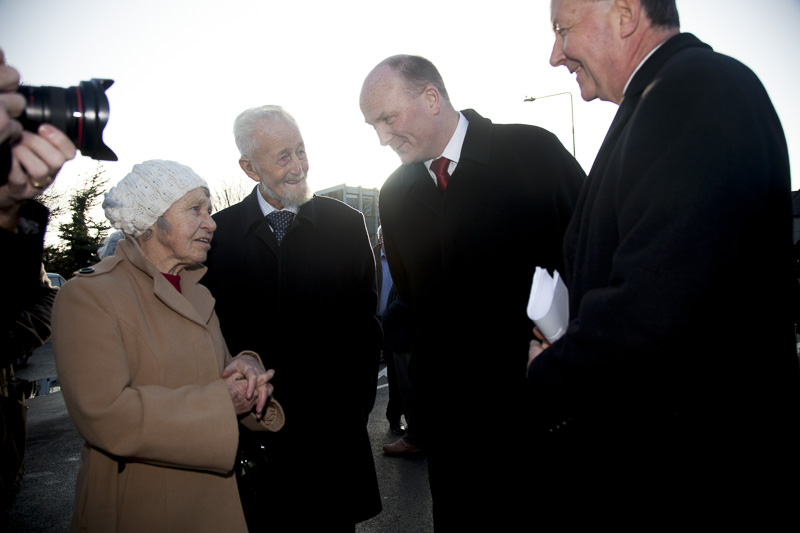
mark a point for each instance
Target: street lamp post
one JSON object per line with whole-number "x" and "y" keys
{"x": 571, "y": 112}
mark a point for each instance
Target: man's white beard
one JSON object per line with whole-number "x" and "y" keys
{"x": 295, "y": 196}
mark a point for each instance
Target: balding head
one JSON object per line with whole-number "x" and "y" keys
{"x": 405, "y": 100}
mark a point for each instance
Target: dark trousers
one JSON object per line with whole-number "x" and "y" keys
{"x": 408, "y": 397}
{"x": 394, "y": 408}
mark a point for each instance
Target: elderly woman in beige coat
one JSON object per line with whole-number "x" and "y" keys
{"x": 145, "y": 373}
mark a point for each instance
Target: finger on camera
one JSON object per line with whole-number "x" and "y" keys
{"x": 39, "y": 160}
{"x": 9, "y": 76}
{"x": 39, "y": 157}
{"x": 26, "y": 167}
{"x": 58, "y": 139}
{"x": 10, "y": 129}
{"x": 20, "y": 186}
{"x": 13, "y": 103}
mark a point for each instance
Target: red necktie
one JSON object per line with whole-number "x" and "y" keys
{"x": 439, "y": 167}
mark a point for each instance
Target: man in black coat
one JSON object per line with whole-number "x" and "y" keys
{"x": 304, "y": 298}
{"x": 462, "y": 256}
{"x": 673, "y": 395}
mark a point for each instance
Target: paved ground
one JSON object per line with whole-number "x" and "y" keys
{"x": 53, "y": 458}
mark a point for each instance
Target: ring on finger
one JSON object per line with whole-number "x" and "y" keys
{"x": 43, "y": 183}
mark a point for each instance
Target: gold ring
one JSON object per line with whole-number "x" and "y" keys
{"x": 41, "y": 184}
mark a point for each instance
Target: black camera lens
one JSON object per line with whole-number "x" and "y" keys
{"x": 81, "y": 112}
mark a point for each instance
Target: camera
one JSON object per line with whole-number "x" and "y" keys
{"x": 81, "y": 112}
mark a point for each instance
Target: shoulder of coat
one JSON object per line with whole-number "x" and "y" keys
{"x": 106, "y": 265}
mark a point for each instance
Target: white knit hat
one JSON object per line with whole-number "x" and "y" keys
{"x": 145, "y": 194}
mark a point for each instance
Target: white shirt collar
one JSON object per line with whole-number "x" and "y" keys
{"x": 453, "y": 149}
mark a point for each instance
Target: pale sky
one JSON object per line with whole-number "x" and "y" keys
{"x": 183, "y": 71}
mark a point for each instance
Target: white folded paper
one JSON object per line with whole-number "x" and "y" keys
{"x": 548, "y": 305}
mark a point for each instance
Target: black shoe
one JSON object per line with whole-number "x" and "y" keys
{"x": 397, "y": 428}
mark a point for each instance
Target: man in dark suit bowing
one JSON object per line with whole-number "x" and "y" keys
{"x": 462, "y": 254}
{"x": 681, "y": 240}
{"x": 294, "y": 279}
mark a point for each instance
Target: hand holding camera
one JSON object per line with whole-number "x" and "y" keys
{"x": 40, "y": 129}
{"x": 11, "y": 103}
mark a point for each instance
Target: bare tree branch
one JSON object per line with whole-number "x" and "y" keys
{"x": 232, "y": 191}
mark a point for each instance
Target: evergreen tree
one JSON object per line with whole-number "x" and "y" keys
{"x": 82, "y": 235}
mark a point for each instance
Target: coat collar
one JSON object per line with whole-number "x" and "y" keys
{"x": 649, "y": 70}
{"x": 478, "y": 142}
{"x": 194, "y": 302}
{"x": 644, "y": 78}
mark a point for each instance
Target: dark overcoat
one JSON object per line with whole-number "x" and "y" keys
{"x": 678, "y": 375}
{"x": 464, "y": 261}
{"x": 308, "y": 308}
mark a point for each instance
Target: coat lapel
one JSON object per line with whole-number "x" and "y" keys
{"x": 194, "y": 303}
{"x": 254, "y": 222}
{"x": 307, "y": 214}
{"x": 419, "y": 187}
{"x": 197, "y": 295}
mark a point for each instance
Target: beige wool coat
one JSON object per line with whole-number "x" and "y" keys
{"x": 139, "y": 365}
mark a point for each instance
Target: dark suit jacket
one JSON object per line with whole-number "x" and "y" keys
{"x": 681, "y": 242}
{"x": 307, "y": 307}
{"x": 464, "y": 261}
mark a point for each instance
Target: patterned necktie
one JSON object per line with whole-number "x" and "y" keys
{"x": 280, "y": 220}
{"x": 439, "y": 167}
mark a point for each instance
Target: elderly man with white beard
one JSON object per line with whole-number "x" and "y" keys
{"x": 294, "y": 279}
